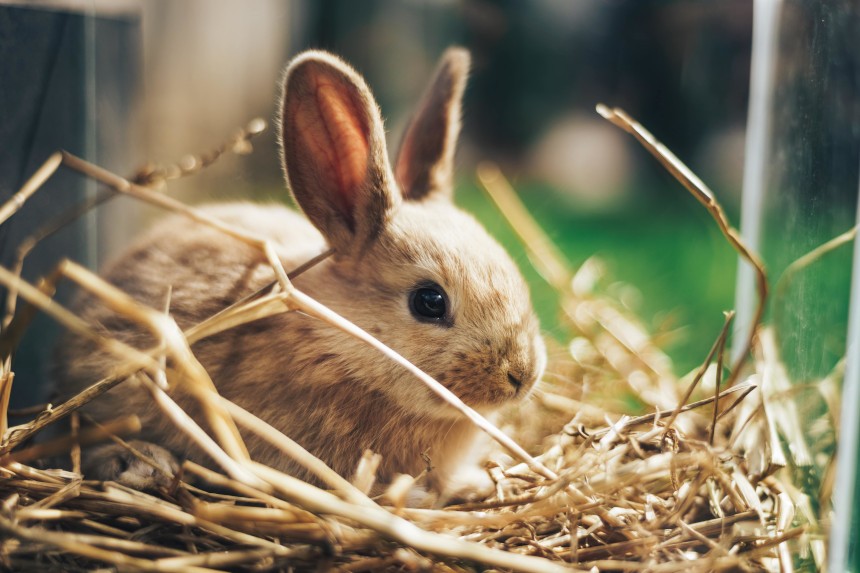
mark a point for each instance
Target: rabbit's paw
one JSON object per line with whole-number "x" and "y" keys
{"x": 114, "y": 462}
{"x": 420, "y": 497}
{"x": 470, "y": 483}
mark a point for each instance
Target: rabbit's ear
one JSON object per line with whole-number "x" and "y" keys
{"x": 425, "y": 162}
{"x": 334, "y": 151}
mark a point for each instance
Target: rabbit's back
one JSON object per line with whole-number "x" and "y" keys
{"x": 190, "y": 270}
{"x": 195, "y": 270}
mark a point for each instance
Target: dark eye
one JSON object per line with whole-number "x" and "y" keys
{"x": 428, "y": 303}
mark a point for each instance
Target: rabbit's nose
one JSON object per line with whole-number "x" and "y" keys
{"x": 522, "y": 372}
{"x": 520, "y": 377}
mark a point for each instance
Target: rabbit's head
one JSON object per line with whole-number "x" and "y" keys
{"x": 411, "y": 268}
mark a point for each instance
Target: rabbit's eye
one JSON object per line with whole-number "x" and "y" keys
{"x": 428, "y": 303}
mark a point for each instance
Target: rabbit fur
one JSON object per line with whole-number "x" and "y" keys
{"x": 393, "y": 230}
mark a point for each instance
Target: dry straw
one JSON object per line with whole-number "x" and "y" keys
{"x": 579, "y": 487}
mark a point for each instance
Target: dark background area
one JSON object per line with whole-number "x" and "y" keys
{"x": 52, "y": 86}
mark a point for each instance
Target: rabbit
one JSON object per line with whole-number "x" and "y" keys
{"x": 408, "y": 266}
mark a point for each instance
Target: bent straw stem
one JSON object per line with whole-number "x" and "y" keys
{"x": 165, "y": 329}
{"x": 715, "y": 348}
{"x": 42, "y": 174}
{"x": 238, "y": 143}
{"x": 706, "y": 197}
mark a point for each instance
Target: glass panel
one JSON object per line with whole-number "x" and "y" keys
{"x": 808, "y": 190}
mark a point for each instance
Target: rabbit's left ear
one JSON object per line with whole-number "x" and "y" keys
{"x": 334, "y": 151}
{"x": 425, "y": 162}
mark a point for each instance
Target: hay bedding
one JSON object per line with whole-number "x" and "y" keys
{"x": 591, "y": 491}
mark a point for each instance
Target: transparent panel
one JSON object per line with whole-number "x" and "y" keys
{"x": 802, "y": 211}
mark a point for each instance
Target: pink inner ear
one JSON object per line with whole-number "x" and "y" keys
{"x": 329, "y": 122}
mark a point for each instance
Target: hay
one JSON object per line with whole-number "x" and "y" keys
{"x": 578, "y": 486}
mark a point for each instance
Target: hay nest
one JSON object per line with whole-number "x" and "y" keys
{"x": 693, "y": 484}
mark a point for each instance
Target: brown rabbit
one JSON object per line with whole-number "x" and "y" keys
{"x": 409, "y": 267}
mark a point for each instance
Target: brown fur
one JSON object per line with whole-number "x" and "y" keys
{"x": 329, "y": 392}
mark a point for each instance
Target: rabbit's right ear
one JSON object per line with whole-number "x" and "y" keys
{"x": 334, "y": 151}
{"x": 425, "y": 162}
